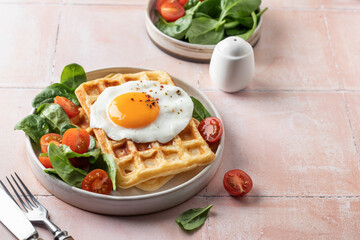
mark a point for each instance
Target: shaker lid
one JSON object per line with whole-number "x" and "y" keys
{"x": 234, "y": 47}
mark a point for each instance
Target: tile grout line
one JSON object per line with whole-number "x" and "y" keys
{"x": 348, "y": 114}
{"x": 56, "y": 43}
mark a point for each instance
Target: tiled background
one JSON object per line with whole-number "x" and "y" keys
{"x": 295, "y": 129}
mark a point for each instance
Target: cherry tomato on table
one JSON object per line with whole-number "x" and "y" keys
{"x": 211, "y": 129}
{"x": 69, "y": 107}
{"x": 171, "y": 10}
{"x": 237, "y": 182}
{"x": 97, "y": 181}
{"x": 77, "y": 139}
{"x": 45, "y": 161}
{"x": 49, "y": 138}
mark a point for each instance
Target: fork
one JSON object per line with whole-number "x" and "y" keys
{"x": 33, "y": 210}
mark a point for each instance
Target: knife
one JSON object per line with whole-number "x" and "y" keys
{"x": 14, "y": 219}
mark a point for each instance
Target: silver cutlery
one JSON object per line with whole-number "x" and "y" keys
{"x": 33, "y": 210}
{"x": 14, "y": 219}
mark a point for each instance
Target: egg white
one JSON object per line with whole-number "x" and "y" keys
{"x": 175, "y": 112}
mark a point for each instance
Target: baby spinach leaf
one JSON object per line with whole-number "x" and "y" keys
{"x": 92, "y": 143}
{"x": 247, "y": 34}
{"x": 238, "y": 8}
{"x": 190, "y": 4}
{"x": 211, "y": 8}
{"x": 66, "y": 127}
{"x": 193, "y": 218}
{"x": 34, "y": 126}
{"x": 235, "y": 31}
{"x": 93, "y": 154}
{"x": 48, "y": 94}
{"x": 178, "y": 28}
{"x": 54, "y": 115}
{"x": 199, "y": 112}
{"x": 61, "y": 164}
{"x": 107, "y": 163}
{"x": 73, "y": 75}
{"x": 52, "y": 172}
{"x": 248, "y": 21}
{"x": 204, "y": 30}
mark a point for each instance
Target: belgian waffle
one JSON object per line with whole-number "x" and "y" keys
{"x": 140, "y": 162}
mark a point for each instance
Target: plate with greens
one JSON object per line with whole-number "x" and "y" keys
{"x": 65, "y": 178}
{"x": 199, "y": 25}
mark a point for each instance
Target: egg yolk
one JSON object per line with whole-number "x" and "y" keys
{"x": 133, "y": 110}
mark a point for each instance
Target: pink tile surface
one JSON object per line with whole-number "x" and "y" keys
{"x": 27, "y": 45}
{"x": 107, "y": 40}
{"x": 291, "y": 144}
{"x": 346, "y": 48}
{"x": 294, "y": 130}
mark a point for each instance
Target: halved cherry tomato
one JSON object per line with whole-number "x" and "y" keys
{"x": 77, "y": 139}
{"x": 45, "y": 161}
{"x": 70, "y": 108}
{"x": 171, "y": 10}
{"x": 49, "y": 138}
{"x": 237, "y": 182}
{"x": 97, "y": 181}
{"x": 211, "y": 129}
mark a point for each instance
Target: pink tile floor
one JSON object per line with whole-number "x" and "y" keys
{"x": 295, "y": 129}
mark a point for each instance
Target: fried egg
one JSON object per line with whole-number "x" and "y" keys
{"x": 143, "y": 111}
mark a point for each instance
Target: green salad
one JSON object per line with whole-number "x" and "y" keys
{"x": 208, "y": 22}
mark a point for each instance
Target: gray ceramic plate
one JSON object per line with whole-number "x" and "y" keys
{"x": 132, "y": 201}
{"x": 181, "y": 49}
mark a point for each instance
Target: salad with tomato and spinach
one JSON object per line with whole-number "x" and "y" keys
{"x": 207, "y": 22}
{"x": 68, "y": 152}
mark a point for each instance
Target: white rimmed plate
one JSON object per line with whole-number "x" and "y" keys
{"x": 181, "y": 49}
{"x": 132, "y": 201}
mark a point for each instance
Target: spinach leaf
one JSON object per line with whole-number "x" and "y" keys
{"x": 238, "y": 8}
{"x": 235, "y": 31}
{"x": 67, "y": 172}
{"x": 48, "y": 94}
{"x": 66, "y": 127}
{"x": 107, "y": 163}
{"x": 92, "y": 143}
{"x": 34, "y": 126}
{"x": 246, "y": 21}
{"x": 52, "y": 172}
{"x": 199, "y": 112}
{"x": 204, "y": 30}
{"x": 178, "y": 28}
{"x": 93, "y": 154}
{"x": 247, "y": 34}
{"x": 73, "y": 75}
{"x": 193, "y": 218}
{"x": 211, "y": 8}
{"x": 190, "y": 4}
{"x": 54, "y": 115}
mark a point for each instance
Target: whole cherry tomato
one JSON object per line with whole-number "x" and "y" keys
{"x": 77, "y": 139}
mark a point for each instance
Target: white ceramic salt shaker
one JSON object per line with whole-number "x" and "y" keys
{"x": 232, "y": 64}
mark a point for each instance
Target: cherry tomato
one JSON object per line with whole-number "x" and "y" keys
{"x": 49, "y": 138}
{"x": 237, "y": 182}
{"x": 211, "y": 129}
{"x": 80, "y": 162}
{"x": 70, "y": 108}
{"x": 158, "y": 4}
{"x": 77, "y": 139}
{"x": 97, "y": 181}
{"x": 183, "y": 2}
{"x": 45, "y": 161}
{"x": 171, "y": 10}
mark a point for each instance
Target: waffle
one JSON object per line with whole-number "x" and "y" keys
{"x": 140, "y": 162}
